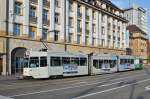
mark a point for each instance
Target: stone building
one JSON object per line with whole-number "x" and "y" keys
{"x": 138, "y": 42}
{"x": 84, "y": 26}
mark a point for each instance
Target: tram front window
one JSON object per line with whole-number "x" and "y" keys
{"x": 34, "y": 62}
{"x": 26, "y": 61}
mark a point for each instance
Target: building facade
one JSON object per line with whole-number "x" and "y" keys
{"x": 137, "y": 16}
{"x": 84, "y": 26}
{"x": 138, "y": 42}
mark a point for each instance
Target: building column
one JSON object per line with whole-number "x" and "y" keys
{"x": 116, "y": 34}
{"x": 52, "y": 20}
{"x": 75, "y": 21}
{"x": 83, "y": 25}
{"x": 67, "y": 20}
{"x": 26, "y": 18}
{"x": 91, "y": 26}
{"x": 4, "y": 72}
{"x": 106, "y": 34}
{"x": 111, "y": 32}
{"x": 40, "y": 19}
{"x": 97, "y": 29}
{"x": 121, "y": 31}
{"x": 100, "y": 30}
{"x": 11, "y": 17}
{"x": 63, "y": 15}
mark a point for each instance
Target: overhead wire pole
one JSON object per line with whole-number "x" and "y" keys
{"x": 65, "y": 39}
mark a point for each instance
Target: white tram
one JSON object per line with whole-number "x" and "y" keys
{"x": 47, "y": 64}
{"x": 126, "y": 62}
{"x": 38, "y": 64}
{"x": 104, "y": 63}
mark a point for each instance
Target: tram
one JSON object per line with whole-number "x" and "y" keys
{"x": 40, "y": 64}
{"x": 104, "y": 63}
{"x": 48, "y": 64}
{"x": 126, "y": 63}
{"x": 138, "y": 63}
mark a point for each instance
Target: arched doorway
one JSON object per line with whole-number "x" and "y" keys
{"x": 17, "y": 55}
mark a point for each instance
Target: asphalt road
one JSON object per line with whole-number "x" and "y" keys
{"x": 123, "y": 85}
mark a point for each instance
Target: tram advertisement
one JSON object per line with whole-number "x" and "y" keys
{"x": 106, "y": 67}
{"x": 70, "y": 68}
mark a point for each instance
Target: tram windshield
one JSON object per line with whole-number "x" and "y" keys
{"x": 26, "y": 62}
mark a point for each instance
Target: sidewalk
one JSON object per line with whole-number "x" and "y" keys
{"x": 12, "y": 77}
{"x": 3, "y": 97}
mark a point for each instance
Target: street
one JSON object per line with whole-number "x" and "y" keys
{"x": 123, "y": 85}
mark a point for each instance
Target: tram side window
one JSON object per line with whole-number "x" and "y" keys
{"x": 83, "y": 61}
{"x": 75, "y": 60}
{"x": 65, "y": 60}
{"x": 132, "y": 61}
{"x": 95, "y": 63}
{"x": 55, "y": 61}
{"x": 43, "y": 61}
{"x": 100, "y": 63}
{"x": 113, "y": 63}
{"x": 141, "y": 61}
{"x": 34, "y": 62}
{"x": 122, "y": 61}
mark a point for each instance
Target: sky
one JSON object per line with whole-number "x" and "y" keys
{"x": 142, "y": 3}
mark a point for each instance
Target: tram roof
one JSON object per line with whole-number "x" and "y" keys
{"x": 126, "y": 57}
{"x": 105, "y": 56}
{"x": 65, "y": 54}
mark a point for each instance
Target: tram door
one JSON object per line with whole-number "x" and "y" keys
{"x": 19, "y": 65}
{"x": 1, "y": 65}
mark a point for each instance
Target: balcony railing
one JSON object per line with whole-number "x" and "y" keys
{"x": 34, "y": 1}
{"x": 33, "y": 19}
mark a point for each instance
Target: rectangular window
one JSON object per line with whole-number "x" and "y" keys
{"x": 100, "y": 63}
{"x": 78, "y": 39}
{"x": 70, "y": 5}
{"x": 43, "y": 61}
{"x": 16, "y": 30}
{"x": 57, "y": 18}
{"x": 103, "y": 30}
{"x": 71, "y": 22}
{"x": 75, "y": 61}
{"x": 18, "y": 8}
{"x": 56, "y": 36}
{"x": 55, "y": 61}
{"x": 86, "y": 40}
{"x": 45, "y": 15}
{"x": 83, "y": 61}
{"x": 32, "y": 11}
{"x": 44, "y": 34}
{"x": 65, "y": 60}
{"x": 57, "y": 3}
{"x": 70, "y": 38}
{"x": 95, "y": 64}
{"x": 32, "y": 32}
{"x": 34, "y": 62}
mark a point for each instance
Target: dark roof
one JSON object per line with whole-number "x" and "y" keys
{"x": 134, "y": 28}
